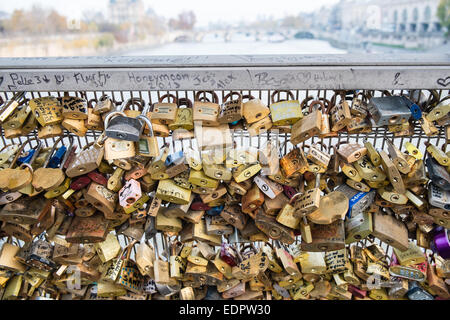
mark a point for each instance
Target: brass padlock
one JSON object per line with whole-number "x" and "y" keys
{"x": 390, "y": 230}
{"x": 307, "y": 127}
{"x": 47, "y": 110}
{"x": 285, "y": 112}
{"x": 103, "y": 105}
{"x": 340, "y": 113}
{"x": 206, "y": 111}
{"x": 294, "y": 162}
{"x": 254, "y": 110}
{"x": 165, "y": 112}
{"x": 231, "y": 111}
{"x": 329, "y": 237}
{"x": 74, "y": 107}
{"x": 184, "y": 116}
{"x": 169, "y": 191}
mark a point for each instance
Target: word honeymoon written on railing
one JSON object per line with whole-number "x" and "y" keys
{"x": 128, "y": 217}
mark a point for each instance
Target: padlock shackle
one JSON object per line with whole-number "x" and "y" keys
{"x": 317, "y": 102}
{"x": 213, "y": 94}
{"x": 288, "y": 93}
{"x": 47, "y": 160}
{"x": 185, "y": 102}
{"x": 247, "y": 96}
{"x": 168, "y": 96}
{"x": 148, "y": 122}
{"x": 38, "y": 149}
{"x": 231, "y": 94}
{"x": 112, "y": 114}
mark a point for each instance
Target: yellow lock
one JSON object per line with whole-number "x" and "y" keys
{"x": 184, "y": 116}
{"x": 169, "y": 191}
{"x": 350, "y": 171}
{"x": 285, "y": 112}
{"x": 373, "y": 154}
{"x": 439, "y": 155}
{"x": 199, "y": 178}
{"x": 217, "y": 171}
{"x": 286, "y": 217}
{"x": 245, "y": 172}
{"x": 138, "y": 204}
{"x": 440, "y": 111}
{"x": 367, "y": 171}
{"x": 47, "y": 110}
{"x": 413, "y": 151}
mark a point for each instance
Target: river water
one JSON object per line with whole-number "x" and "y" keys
{"x": 217, "y": 46}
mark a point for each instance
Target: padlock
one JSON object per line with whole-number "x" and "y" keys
{"x": 294, "y": 162}
{"x": 232, "y": 110}
{"x": 252, "y": 200}
{"x": 206, "y": 111}
{"x": 147, "y": 146}
{"x": 388, "y": 110}
{"x": 244, "y": 172}
{"x": 199, "y": 178}
{"x": 101, "y": 198}
{"x": 392, "y": 172}
{"x": 358, "y": 201}
{"x": 119, "y": 126}
{"x": 417, "y": 176}
{"x": 74, "y": 107}
{"x": 441, "y": 110}
{"x": 270, "y": 188}
{"x": 212, "y": 137}
{"x": 329, "y": 237}
{"x": 287, "y": 218}
{"x": 254, "y": 110}
{"x": 165, "y": 112}
{"x": 285, "y": 112}
{"x": 184, "y": 116}
{"x": 306, "y": 127}
{"x": 272, "y": 228}
{"x": 10, "y": 106}
{"x": 49, "y": 178}
{"x": 169, "y": 191}
{"x": 340, "y": 115}
{"x": 437, "y": 173}
{"x": 86, "y": 161}
{"x": 104, "y": 105}
{"x": 217, "y": 171}
{"x": 268, "y": 157}
{"x": 87, "y": 229}
{"x": 15, "y": 179}
{"x": 351, "y": 152}
{"x": 17, "y": 119}
{"x": 438, "y": 197}
{"x": 47, "y": 110}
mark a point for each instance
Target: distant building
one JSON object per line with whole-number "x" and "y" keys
{"x": 121, "y": 11}
{"x": 398, "y": 16}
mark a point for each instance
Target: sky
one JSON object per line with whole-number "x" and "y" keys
{"x": 206, "y": 10}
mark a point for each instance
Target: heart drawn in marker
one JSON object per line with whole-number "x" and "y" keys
{"x": 444, "y": 82}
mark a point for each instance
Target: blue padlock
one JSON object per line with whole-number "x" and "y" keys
{"x": 56, "y": 159}
{"x": 215, "y": 211}
{"x": 173, "y": 158}
{"x": 416, "y": 112}
{"x": 28, "y": 155}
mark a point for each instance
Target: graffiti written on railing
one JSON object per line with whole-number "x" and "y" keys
{"x": 96, "y": 79}
{"x": 266, "y": 79}
{"x": 162, "y": 81}
{"x": 443, "y": 81}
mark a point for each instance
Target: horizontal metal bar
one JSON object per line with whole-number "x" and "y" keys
{"x": 227, "y": 78}
{"x": 226, "y": 61}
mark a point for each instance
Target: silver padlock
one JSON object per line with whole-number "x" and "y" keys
{"x": 119, "y": 126}
{"x": 438, "y": 197}
{"x": 358, "y": 200}
{"x": 388, "y": 110}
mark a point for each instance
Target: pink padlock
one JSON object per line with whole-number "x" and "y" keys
{"x": 130, "y": 193}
